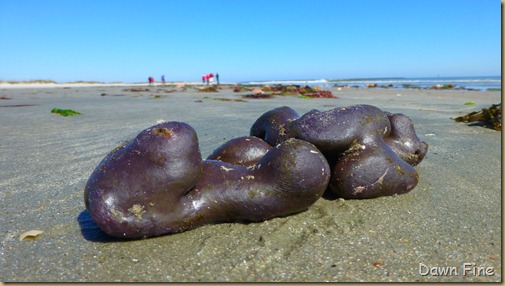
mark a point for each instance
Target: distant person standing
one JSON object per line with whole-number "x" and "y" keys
{"x": 151, "y": 81}
{"x": 203, "y": 79}
{"x": 163, "y": 79}
{"x": 211, "y": 78}
{"x": 217, "y": 78}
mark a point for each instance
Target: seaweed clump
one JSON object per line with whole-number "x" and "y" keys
{"x": 488, "y": 117}
{"x": 258, "y": 95}
{"x": 136, "y": 89}
{"x": 65, "y": 112}
{"x": 210, "y": 88}
{"x": 320, "y": 94}
{"x": 443, "y": 86}
{"x": 287, "y": 90}
{"x": 240, "y": 88}
{"x": 304, "y": 91}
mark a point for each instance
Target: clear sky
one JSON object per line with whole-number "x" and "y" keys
{"x": 126, "y": 40}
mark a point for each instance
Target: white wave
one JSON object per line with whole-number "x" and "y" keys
{"x": 296, "y": 82}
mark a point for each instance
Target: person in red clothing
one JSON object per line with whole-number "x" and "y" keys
{"x": 203, "y": 79}
{"x": 151, "y": 81}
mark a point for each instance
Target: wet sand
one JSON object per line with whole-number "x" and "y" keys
{"x": 451, "y": 218}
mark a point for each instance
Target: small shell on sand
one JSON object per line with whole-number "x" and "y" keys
{"x": 30, "y": 235}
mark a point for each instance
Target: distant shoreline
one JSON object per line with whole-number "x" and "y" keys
{"x": 491, "y": 83}
{"x": 52, "y": 84}
{"x": 47, "y": 81}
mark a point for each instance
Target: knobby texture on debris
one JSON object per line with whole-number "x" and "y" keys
{"x": 489, "y": 117}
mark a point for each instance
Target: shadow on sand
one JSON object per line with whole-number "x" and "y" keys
{"x": 90, "y": 230}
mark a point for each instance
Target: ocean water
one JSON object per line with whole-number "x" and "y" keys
{"x": 474, "y": 82}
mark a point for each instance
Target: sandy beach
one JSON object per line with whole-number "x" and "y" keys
{"x": 451, "y": 220}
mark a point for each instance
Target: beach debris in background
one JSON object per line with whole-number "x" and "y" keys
{"x": 258, "y": 95}
{"x": 268, "y": 91}
{"x": 106, "y": 94}
{"x": 319, "y": 94}
{"x": 374, "y": 85}
{"x": 410, "y": 86}
{"x": 442, "y": 86}
{"x": 266, "y": 88}
{"x": 5, "y": 97}
{"x": 210, "y": 88}
{"x": 136, "y": 89}
{"x": 30, "y": 235}
{"x": 470, "y": 103}
{"x": 488, "y": 117}
{"x": 166, "y": 91}
{"x": 18, "y": 105}
{"x": 304, "y": 91}
{"x": 265, "y": 92}
{"x": 240, "y": 88}
{"x": 65, "y": 112}
{"x": 229, "y": 99}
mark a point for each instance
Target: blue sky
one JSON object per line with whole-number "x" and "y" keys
{"x": 128, "y": 41}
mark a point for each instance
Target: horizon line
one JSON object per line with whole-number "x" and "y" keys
{"x": 238, "y": 81}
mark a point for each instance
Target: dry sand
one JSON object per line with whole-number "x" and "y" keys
{"x": 452, "y": 217}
